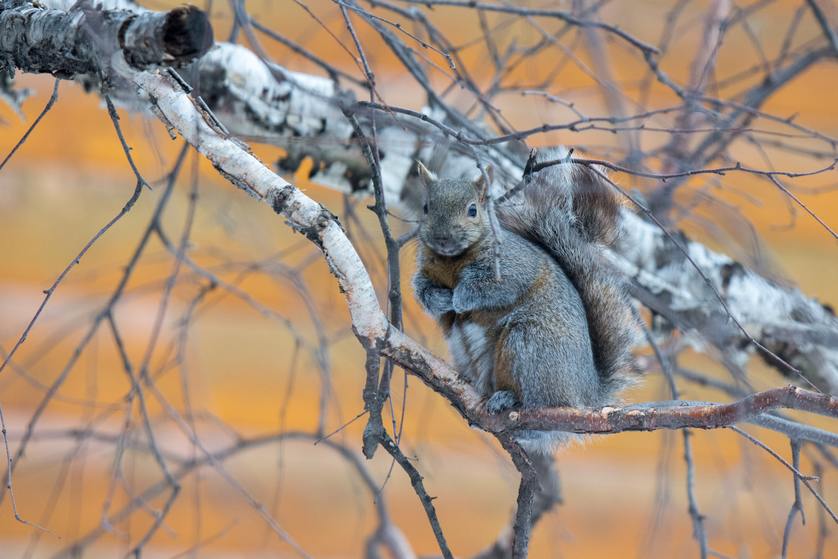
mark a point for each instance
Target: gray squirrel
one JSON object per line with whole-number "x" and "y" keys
{"x": 556, "y": 329}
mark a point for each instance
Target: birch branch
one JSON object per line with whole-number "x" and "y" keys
{"x": 75, "y": 43}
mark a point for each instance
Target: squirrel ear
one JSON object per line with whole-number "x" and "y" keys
{"x": 481, "y": 185}
{"x": 424, "y": 174}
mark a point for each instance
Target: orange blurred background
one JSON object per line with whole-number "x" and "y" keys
{"x": 624, "y": 495}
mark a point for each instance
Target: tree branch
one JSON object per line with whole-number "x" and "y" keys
{"x": 676, "y": 414}
{"x": 77, "y": 43}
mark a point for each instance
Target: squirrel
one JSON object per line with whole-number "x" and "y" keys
{"x": 556, "y": 327}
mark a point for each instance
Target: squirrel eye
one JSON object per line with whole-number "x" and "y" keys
{"x": 425, "y": 208}
{"x": 472, "y": 210}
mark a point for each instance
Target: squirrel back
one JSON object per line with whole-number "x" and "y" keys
{"x": 572, "y": 213}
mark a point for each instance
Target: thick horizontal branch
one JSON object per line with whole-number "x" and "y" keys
{"x": 781, "y": 318}
{"x": 667, "y": 415}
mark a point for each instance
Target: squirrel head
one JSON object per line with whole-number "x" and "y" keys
{"x": 454, "y": 216}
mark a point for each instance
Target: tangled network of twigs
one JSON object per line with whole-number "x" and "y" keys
{"x": 675, "y": 142}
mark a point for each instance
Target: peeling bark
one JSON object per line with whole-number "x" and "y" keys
{"x": 796, "y": 328}
{"x": 81, "y": 42}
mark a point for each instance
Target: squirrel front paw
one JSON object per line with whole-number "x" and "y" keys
{"x": 501, "y": 401}
{"x": 438, "y": 300}
{"x": 458, "y": 302}
{"x": 466, "y": 298}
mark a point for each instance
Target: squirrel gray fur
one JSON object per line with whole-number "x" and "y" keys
{"x": 556, "y": 329}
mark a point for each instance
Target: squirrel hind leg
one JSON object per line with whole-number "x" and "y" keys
{"x": 501, "y": 401}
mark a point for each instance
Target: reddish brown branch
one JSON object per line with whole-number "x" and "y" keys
{"x": 669, "y": 415}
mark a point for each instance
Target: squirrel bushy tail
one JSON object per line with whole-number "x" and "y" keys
{"x": 571, "y": 212}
